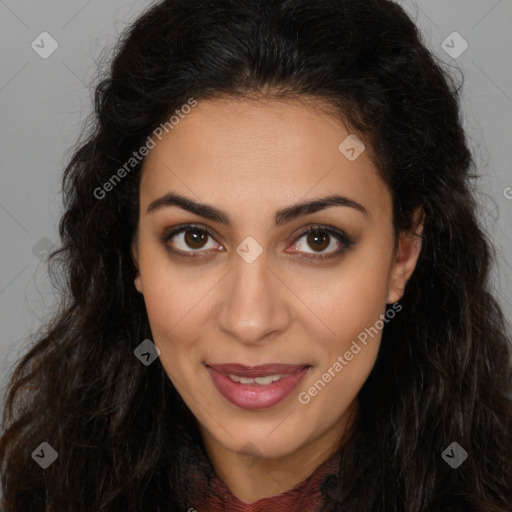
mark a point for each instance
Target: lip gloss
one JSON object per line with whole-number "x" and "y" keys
{"x": 256, "y": 396}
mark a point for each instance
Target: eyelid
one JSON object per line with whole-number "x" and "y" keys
{"x": 345, "y": 241}
{"x": 176, "y": 230}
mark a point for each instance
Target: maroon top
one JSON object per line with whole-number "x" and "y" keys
{"x": 304, "y": 497}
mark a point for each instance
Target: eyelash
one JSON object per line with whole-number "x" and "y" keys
{"x": 340, "y": 236}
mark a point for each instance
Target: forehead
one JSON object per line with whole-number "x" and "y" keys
{"x": 233, "y": 149}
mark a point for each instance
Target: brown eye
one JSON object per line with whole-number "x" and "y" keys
{"x": 314, "y": 243}
{"x": 190, "y": 240}
{"x": 195, "y": 238}
{"x": 318, "y": 240}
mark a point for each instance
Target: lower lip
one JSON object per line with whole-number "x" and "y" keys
{"x": 255, "y": 396}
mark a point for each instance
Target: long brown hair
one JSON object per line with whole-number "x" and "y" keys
{"x": 124, "y": 438}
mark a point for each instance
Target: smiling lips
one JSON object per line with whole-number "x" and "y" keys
{"x": 256, "y": 387}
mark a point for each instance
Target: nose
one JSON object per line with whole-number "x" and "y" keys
{"x": 252, "y": 306}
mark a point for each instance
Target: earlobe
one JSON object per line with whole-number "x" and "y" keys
{"x": 409, "y": 248}
{"x": 138, "y": 283}
{"x": 135, "y": 256}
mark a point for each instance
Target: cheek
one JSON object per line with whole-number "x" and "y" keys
{"x": 355, "y": 330}
{"x": 176, "y": 302}
{"x": 351, "y": 298}
{"x": 166, "y": 295}
{"x": 172, "y": 320}
{"x": 161, "y": 297}
{"x": 346, "y": 355}
{"x": 350, "y": 304}
{"x": 331, "y": 392}
{"x": 169, "y": 292}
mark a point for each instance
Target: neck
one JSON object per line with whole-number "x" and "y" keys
{"x": 251, "y": 478}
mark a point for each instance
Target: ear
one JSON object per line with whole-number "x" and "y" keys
{"x": 135, "y": 258}
{"x": 407, "y": 253}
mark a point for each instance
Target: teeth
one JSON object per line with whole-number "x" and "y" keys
{"x": 263, "y": 381}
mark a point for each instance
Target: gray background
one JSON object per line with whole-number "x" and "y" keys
{"x": 44, "y": 102}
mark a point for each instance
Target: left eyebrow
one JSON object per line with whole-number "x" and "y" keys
{"x": 288, "y": 214}
{"x": 282, "y": 216}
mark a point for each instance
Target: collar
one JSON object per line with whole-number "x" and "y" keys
{"x": 211, "y": 494}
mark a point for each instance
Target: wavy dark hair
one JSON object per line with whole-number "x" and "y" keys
{"x": 125, "y": 439}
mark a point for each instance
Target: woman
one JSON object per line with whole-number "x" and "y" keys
{"x": 277, "y": 289}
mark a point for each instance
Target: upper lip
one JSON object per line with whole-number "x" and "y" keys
{"x": 263, "y": 370}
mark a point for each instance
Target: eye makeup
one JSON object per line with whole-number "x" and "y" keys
{"x": 313, "y": 233}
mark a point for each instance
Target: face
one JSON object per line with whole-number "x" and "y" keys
{"x": 231, "y": 275}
